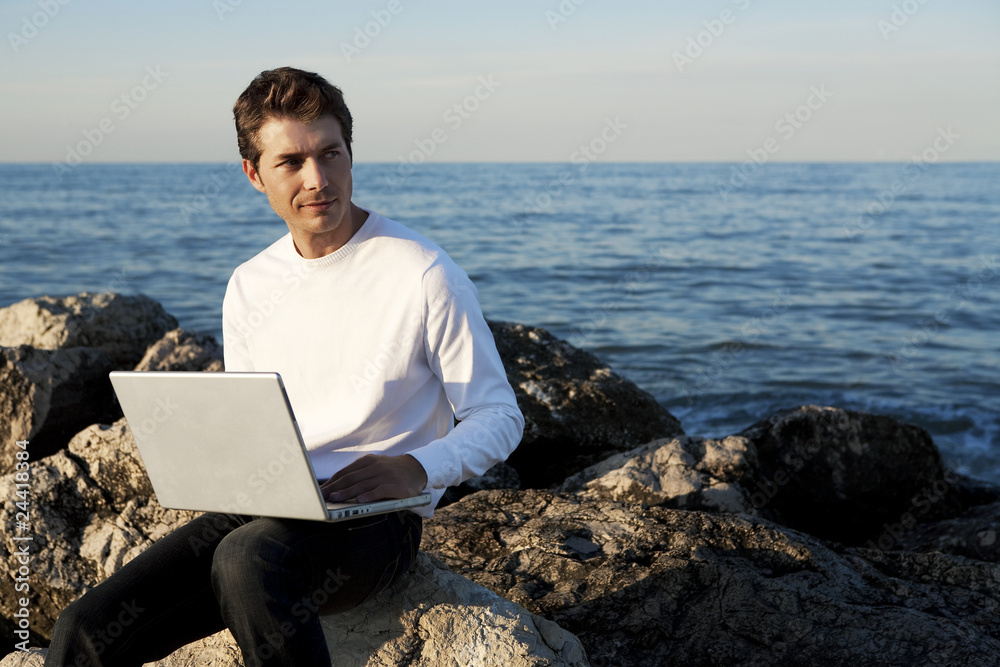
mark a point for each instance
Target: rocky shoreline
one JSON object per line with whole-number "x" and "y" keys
{"x": 611, "y": 537}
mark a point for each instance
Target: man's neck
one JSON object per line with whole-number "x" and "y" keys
{"x": 314, "y": 246}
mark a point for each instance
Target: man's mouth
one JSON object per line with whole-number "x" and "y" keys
{"x": 319, "y": 205}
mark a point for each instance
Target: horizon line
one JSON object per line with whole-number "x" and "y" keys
{"x": 467, "y": 162}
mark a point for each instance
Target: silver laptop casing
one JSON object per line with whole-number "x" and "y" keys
{"x": 228, "y": 442}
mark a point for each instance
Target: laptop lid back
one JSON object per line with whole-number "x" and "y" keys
{"x": 224, "y": 442}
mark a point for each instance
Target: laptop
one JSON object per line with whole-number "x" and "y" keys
{"x": 228, "y": 442}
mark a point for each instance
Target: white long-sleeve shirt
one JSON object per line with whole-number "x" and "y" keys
{"x": 379, "y": 345}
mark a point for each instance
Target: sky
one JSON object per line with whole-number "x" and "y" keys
{"x": 513, "y": 81}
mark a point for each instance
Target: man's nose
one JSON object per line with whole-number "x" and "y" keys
{"x": 313, "y": 176}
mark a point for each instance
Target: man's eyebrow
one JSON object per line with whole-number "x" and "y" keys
{"x": 291, "y": 154}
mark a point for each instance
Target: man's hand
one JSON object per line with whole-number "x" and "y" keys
{"x": 376, "y": 477}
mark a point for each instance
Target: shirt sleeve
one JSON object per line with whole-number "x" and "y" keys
{"x": 461, "y": 352}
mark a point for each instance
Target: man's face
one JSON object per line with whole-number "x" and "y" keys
{"x": 305, "y": 171}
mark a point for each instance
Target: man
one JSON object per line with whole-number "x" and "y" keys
{"x": 381, "y": 343}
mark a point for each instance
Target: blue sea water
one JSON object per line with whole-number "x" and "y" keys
{"x": 728, "y": 292}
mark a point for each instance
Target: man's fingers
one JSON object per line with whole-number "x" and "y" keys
{"x": 378, "y": 493}
{"x": 374, "y": 477}
{"x": 364, "y": 492}
{"x": 362, "y": 466}
{"x": 354, "y": 474}
{"x": 356, "y": 481}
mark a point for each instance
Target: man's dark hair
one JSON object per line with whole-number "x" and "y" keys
{"x": 286, "y": 92}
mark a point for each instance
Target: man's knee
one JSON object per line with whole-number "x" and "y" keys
{"x": 231, "y": 562}
{"x": 246, "y": 559}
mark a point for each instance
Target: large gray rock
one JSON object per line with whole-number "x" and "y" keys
{"x": 657, "y": 586}
{"x": 686, "y": 472}
{"x": 48, "y": 395}
{"x": 847, "y": 475}
{"x": 436, "y": 617}
{"x": 727, "y": 475}
{"x": 122, "y": 326}
{"x": 91, "y": 510}
{"x": 181, "y": 350}
{"x": 576, "y": 410}
{"x": 55, "y": 356}
{"x": 430, "y": 618}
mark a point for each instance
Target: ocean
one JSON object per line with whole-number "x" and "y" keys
{"x": 727, "y": 291}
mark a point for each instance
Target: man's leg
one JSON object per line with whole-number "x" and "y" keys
{"x": 274, "y": 577}
{"x": 156, "y": 603}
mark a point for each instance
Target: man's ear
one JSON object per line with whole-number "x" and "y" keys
{"x": 253, "y": 176}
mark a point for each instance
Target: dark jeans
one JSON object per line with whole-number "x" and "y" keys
{"x": 265, "y": 579}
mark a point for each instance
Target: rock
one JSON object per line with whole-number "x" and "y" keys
{"x": 48, "y": 395}
{"x": 973, "y": 534}
{"x": 727, "y": 476}
{"x": 500, "y": 476}
{"x": 90, "y": 511}
{"x": 436, "y": 617}
{"x": 658, "y": 586}
{"x": 34, "y": 657}
{"x": 847, "y": 475}
{"x": 57, "y": 356}
{"x": 122, "y": 326}
{"x": 181, "y": 350}
{"x": 430, "y": 617}
{"x": 110, "y": 458}
{"x": 685, "y": 473}
{"x": 218, "y": 650}
{"x": 576, "y": 410}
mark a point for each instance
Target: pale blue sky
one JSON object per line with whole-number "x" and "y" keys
{"x": 885, "y": 95}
